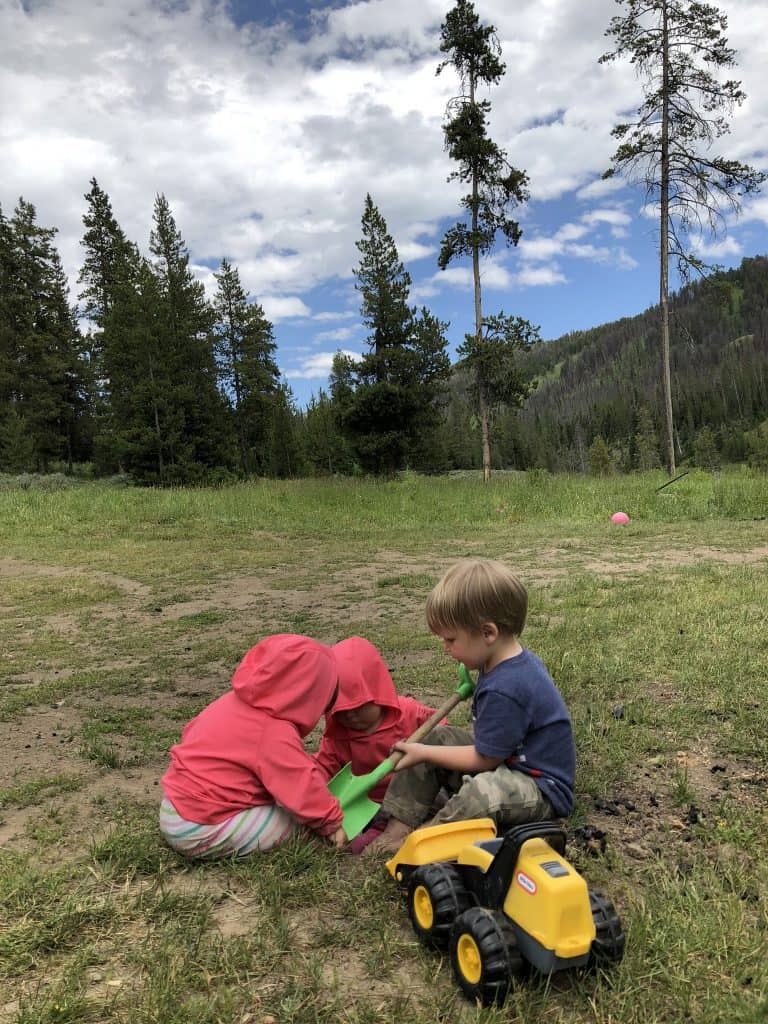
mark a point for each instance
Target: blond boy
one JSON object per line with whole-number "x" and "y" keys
{"x": 518, "y": 762}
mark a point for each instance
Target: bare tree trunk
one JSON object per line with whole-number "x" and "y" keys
{"x": 664, "y": 254}
{"x": 481, "y": 397}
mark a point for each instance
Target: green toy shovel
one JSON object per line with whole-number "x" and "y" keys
{"x": 352, "y": 790}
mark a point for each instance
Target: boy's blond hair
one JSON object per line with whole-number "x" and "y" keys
{"x": 478, "y": 590}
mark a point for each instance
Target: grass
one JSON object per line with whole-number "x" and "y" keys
{"x": 124, "y": 611}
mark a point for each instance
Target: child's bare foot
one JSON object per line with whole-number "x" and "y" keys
{"x": 390, "y": 840}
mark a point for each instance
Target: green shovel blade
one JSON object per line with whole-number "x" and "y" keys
{"x": 352, "y": 793}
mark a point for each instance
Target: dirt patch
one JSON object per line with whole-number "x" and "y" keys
{"x": 15, "y": 568}
{"x": 545, "y": 569}
{"x": 640, "y": 819}
{"x": 43, "y": 768}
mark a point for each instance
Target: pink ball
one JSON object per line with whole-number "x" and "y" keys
{"x": 620, "y": 518}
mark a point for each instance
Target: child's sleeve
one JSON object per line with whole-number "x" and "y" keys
{"x": 329, "y": 758}
{"x": 297, "y": 783}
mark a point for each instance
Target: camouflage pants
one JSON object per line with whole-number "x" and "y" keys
{"x": 507, "y": 796}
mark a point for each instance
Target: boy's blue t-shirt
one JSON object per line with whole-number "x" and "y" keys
{"x": 519, "y": 715}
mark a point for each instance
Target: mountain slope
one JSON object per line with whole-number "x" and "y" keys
{"x": 606, "y": 381}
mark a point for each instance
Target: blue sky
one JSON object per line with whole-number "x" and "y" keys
{"x": 266, "y": 123}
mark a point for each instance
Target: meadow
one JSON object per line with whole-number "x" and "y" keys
{"x": 125, "y": 610}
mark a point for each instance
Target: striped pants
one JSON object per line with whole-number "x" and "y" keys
{"x": 258, "y": 828}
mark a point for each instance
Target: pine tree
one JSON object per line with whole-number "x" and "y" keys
{"x": 135, "y": 433}
{"x": 110, "y": 261}
{"x": 326, "y": 449}
{"x": 196, "y": 431}
{"x": 646, "y": 442}
{"x": 599, "y": 461}
{"x": 705, "y": 451}
{"x": 677, "y": 47}
{"x": 248, "y": 373}
{"x": 11, "y": 426}
{"x": 42, "y": 379}
{"x": 108, "y": 274}
{"x": 495, "y": 189}
{"x": 387, "y": 400}
{"x": 283, "y": 455}
{"x": 167, "y": 422}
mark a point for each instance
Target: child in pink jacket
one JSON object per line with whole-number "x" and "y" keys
{"x": 240, "y": 779}
{"x": 367, "y": 718}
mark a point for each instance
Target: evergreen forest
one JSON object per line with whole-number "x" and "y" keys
{"x": 166, "y": 387}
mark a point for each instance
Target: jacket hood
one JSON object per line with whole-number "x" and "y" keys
{"x": 289, "y": 677}
{"x": 363, "y": 677}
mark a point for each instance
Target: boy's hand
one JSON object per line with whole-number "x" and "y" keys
{"x": 413, "y": 753}
{"x": 462, "y": 758}
{"x": 339, "y": 838}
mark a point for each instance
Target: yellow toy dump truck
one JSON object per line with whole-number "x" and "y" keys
{"x": 503, "y": 904}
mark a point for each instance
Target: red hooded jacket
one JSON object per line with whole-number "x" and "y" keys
{"x": 245, "y": 749}
{"x": 363, "y": 677}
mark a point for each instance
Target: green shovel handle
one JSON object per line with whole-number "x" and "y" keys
{"x": 466, "y": 687}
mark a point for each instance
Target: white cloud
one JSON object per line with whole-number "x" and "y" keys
{"x": 718, "y": 248}
{"x": 454, "y": 277}
{"x": 756, "y": 210}
{"x": 409, "y": 251}
{"x": 600, "y": 187}
{"x": 624, "y": 260}
{"x": 317, "y": 366}
{"x": 283, "y": 307}
{"x": 565, "y": 242}
{"x": 618, "y": 220}
{"x": 333, "y": 316}
{"x": 538, "y": 276}
{"x": 494, "y": 274}
{"x": 540, "y": 248}
{"x": 339, "y": 334}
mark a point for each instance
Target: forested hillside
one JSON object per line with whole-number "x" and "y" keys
{"x": 605, "y": 383}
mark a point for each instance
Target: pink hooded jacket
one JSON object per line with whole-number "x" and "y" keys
{"x": 245, "y": 749}
{"x": 363, "y": 677}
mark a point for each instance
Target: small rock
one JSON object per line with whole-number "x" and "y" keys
{"x": 638, "y": 851}
{"x": 607, "y": 806}
{"x": 592, "y": 839}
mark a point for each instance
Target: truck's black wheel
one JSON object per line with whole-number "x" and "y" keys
{"x": 436, "y": 897}
{"x": 608, "y": 944}
{"x": 484, "y": 955}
